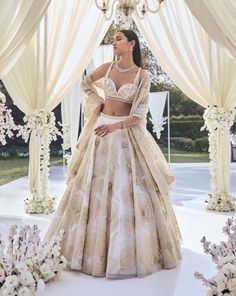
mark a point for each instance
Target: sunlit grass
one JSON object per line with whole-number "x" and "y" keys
{"x": 12, "y": 169}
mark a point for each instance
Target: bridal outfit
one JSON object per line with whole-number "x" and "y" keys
{"x": 116, "y": 210}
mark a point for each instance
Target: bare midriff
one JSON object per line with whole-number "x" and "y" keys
{"x": 116, "y": 108}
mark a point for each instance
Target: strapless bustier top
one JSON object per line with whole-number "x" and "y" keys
{"x": 125, "y": 93}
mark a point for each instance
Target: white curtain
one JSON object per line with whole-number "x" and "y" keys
{"x": 202, "y": 70}
{"x": 70, "y": 112}
{"x": 103, "y": 54}
{"x": 18, "y": 22}
{"x": 218, "y": 18}
{"x": 74, "y": 31}
{"x": 157, "y": 101}
{"x": 70, "y": 106}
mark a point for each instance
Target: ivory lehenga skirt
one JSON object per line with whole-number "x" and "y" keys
{"x": 109, "y": 230}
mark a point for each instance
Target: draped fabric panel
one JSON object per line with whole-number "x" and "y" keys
{"x": 218, "y": 19}
{"x": 70, "y": 106}
{"x": 197, "y": 65}
{"x": 70, "y": 113}
{"x": 157, "y": 101}
{"x": 103, "y": 54}
{"x": 18, "y": 22}
{"x": 75, "y": 29}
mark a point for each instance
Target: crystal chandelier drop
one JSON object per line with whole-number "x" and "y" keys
{"x": 128, "y": 7}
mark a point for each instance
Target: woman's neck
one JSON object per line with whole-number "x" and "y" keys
{"x": 126, "y": 61}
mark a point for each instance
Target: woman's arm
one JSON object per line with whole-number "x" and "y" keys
{"x": 93, "y": 99}
{"x": 99, "y": 72}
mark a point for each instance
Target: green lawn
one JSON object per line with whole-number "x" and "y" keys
{"x": 15, "y": 168}
{"x": 185, "y": 156}
{"x": 12, "y": 169}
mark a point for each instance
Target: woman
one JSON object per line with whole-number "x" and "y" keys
{"x": 116, "y": 211}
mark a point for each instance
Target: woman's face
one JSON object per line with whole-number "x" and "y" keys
{"x": 121, "y": 44}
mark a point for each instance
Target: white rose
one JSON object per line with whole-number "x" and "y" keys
{"x": 26, "y": 279}
{"x": 29, "y": 262}
{"x": 7, "y": 291}
{"x": 210, "y": 293}
{"x": 12, "y": 281}
{"x": 22, "y": 267}
{"x": 232, "y": 285}
{"x": 221, "y": 111}
{"x": 24, "y": 291}
{"x": 40, "y": 285}
{"x": 47, "y": 271}
{"x": 2, "y": 275}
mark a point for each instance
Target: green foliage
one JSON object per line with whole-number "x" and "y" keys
{"x": 186, "y": 118}
{"x": 187, "y": 144}
{"x": 180, "y": 104}
{"x": 23, "y": 152}
{"x": 182, "y": 143}
{"x": 187, "y": 129}
{"x": 202, "y": 144}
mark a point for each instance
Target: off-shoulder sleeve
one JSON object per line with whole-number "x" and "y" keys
{"x": 140, "y": 108}
{"x": 93, "y": 100}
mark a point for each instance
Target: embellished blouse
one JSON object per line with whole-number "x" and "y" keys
{"x": 125, "y": 93}
{"x": 136, "y": 93}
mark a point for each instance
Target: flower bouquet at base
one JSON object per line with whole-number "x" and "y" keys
{"x": 221, "y": 202}
{"x": 223, "y": 283}
{"x": 38, "y": 204}
{"x": 27, "y": 263}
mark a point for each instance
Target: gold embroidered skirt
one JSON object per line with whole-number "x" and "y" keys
{"x": 115, "y": 220}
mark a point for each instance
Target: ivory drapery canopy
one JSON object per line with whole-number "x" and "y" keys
{"x": 218, "y": 19}
{"x": 70, "y": 46}
{"x": 18, "y": 22}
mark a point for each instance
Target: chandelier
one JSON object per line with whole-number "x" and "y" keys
{"x": 128, "y": 7}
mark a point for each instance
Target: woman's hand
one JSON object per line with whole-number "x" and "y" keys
{"x": 105, "y": 129}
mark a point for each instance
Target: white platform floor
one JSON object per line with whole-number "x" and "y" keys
{"x": 191, "y": 187}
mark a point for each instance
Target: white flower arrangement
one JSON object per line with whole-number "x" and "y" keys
{"x": 39, "y": 203}
{"x": 221, "y": 202}
{"x": 27, "y": 263}
{"x": 67, "y": 157}
{"x": 41, "y": 124}
{"x": 158, "y": 126}
{"x": 223, "y": 255}
{"x": 66, "y": 129}
{"x": 6, "y": 121}
{"x": 217, "y": 120}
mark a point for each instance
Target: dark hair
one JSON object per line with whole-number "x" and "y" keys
{"x": 131, "y": 35}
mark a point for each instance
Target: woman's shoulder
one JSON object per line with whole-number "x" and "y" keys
{"x": 100, "y": 71}
{"x": 144, "y": 73}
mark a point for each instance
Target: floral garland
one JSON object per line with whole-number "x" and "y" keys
{"x": 217, "y": 120}
{"x": 27, "y": 263}
{"x": 41, "y": 124}
{"x": 66, "y": 129}
{"x": 68, "y": 157}
{"x": 158, "y": 126}
{"x": 6, "y": 121}
{"x": 224, "y": 256}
